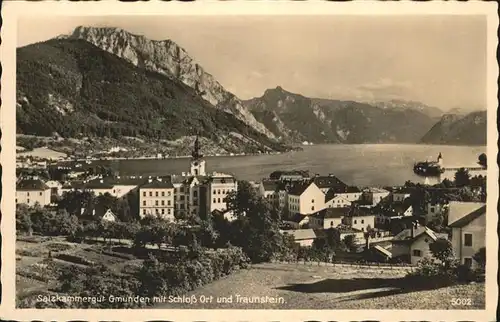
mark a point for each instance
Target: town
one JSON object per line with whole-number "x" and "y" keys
{"x": 290, "y": 216}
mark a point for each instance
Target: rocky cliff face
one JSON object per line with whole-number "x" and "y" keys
{"x": 168, "y": 58}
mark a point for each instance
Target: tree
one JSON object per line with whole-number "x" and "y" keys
{"x": 480, "y": 257}
{"x": 442, "y": 250}
{"x": 350, "y": 243}
{"x": 256, "y": 228}
{"x": 482, "y": 159}
{"x": 462, "y": 178}
{"x": 75, "y": 202}
{"x": 23, "y": 219}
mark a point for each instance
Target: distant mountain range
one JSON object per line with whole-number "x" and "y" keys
{"x": 469, "y": 129}
{"x": 108, "y": 82}
{"x": 293, "y": 117}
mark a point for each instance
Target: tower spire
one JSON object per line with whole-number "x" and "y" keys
{"x": 196, "y": 154}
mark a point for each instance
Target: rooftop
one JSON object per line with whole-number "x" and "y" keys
{"x": 270, "y": 185}
{"x": 330, "y": 181}
{"x": 31, "y": 185}
{"x": 458, "y": 210}
{"x": 333, "y": 213}
{"x": 466, "y": 219}
{"x": 155, "y": 184}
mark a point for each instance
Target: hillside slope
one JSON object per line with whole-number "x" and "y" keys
{"x": 456, "y": 129}
{"x": 297, "y": 118}
{"x": 72, "y": 88}
{"x": 167, "y": 58}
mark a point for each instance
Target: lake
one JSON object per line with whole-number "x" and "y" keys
{"x": 360, "y": 165}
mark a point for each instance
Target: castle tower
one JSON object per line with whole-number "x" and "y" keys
{"x": 440, "y": 159}
{"x": 197, "y": 162}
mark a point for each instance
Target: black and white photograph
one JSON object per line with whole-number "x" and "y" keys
{"x": 277, "y": 162}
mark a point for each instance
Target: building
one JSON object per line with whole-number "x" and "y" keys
{"x": 328, "y": 218}
{"x": 434, "y": 209}
{"x": 156, "y": 198}
{"x": 108, "y": 216}
{"x": 269, "y": 190}
{"x": 325, "y": 183}
{"x": 199, "y": 193}
{"x": 333, "y": 200}
{"x": 373, "y": 196}
{"x": 468, "y": 234}
{"x": 290, "y": 175}
{"x": 220, "y": 185}
{"x": 32, "y": 192}
{"x": 55, "y": 187}
{"x": 305, "y": 198}
{"x": 400, "y": 195}
{"x": 360, "y": 218}
{"x": 299, "y": 221}
{"x": 349, "y": 193}
{"x": 305, "y": 237}
{"x": 412, "y": 244}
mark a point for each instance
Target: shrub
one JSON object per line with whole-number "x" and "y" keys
{"x": 465, "y": 274}
{"x": 75, "y": 259}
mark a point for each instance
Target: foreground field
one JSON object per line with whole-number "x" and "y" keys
{"x": 288, "y": 286}
{"x": 312, "y": 287}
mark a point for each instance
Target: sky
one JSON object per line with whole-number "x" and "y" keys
{"x": 437, "y": 60}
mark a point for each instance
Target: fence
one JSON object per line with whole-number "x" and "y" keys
{"x": 349, "y": 264}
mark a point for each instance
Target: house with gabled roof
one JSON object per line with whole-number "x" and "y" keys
{"x": 468, "y": 230}
{"x": 413, "y": 243}
{"x": 328, "y": 218}
{"x": 334, "y": 200}
{"x": 32, "y": 192}
{"x": 305, "y": 237}
{"x": 325, "y": 183}
{"x": 305, "y": 198}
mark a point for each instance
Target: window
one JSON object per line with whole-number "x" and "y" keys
{"x": 156, "y": 194}
{"x": 162, "y": 211}
{"x": 355, "y": 221}
{"x": 312, "y": 208}
{"x": 468, "y": 262}
{"x": 168, "y": 202}
{"x": 163, "y": 193}
{"x": 215, "y": 200}
{"x": 362, "y": 221}
{"x": 331, "y": 223}
{"x": 156, "y": 202}
{"x": 468, "y": 240}
{"x": 157, "y": 211}
{"x": 417, "y": 253}
{"x": 218, "y": 200}
{"x": 168, "y": 211}
{"x": 163, "y": 202}
{"x": 312, "y": 201}
{"x": 218, "y": 191}
{"x": 28, "y": 194}
{"x": 143, "y": 211}
{"x": 40, "y": 193}
{"x": 432, "y": 209}
{"x": 144, "y": 193}
{"x": 151, "y": 193}
{"x": 195, "y": 193}
{"x": 426, "y": 240}
{"x": 144, "y": 203}
{"x": 28, "y": 201}
{"x": 169, "y": 193}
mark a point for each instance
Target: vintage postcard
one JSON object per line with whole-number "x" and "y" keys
{"x": 296, "y": 160}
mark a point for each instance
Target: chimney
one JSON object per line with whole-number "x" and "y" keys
{"x": 150, "y": 180}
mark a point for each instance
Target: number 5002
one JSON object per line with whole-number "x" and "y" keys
{"x": 460, "y": 301}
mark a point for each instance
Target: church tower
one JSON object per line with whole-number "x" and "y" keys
{"x": 197, "y": 162}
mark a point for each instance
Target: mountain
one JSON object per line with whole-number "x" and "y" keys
{"x": 167, "y": 58}
{"x": 296, "y": 118}
{"x": 73, "y": 88}
{"x": 459, "y": 130}
{"x": 400, "y": 105}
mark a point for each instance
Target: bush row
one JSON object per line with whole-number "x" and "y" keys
{"x": 74, "y": 259}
